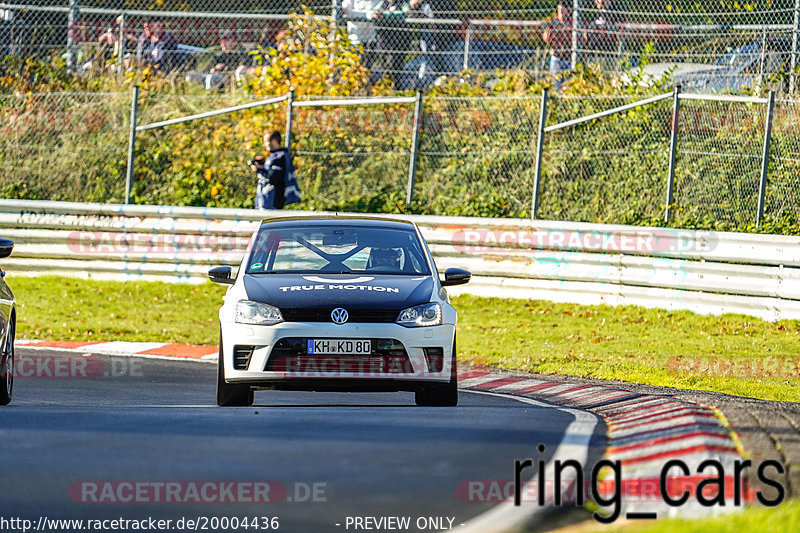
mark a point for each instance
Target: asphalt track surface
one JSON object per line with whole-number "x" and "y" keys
{"x": 368, "y": 454}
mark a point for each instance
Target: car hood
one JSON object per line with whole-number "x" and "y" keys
{"x": 329, "y": 291}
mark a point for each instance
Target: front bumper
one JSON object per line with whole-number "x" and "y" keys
{"x": 330, "y": 372}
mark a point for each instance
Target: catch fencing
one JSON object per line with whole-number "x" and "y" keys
{"x": 723, "y": 162}
{"x": 743, "y": 44}
{"x": 702, "y": 271}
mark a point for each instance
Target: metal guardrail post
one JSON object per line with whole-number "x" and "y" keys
{"x": 795, "y": 37}
{"x": 289, "y": 120}
{"x": 762, "y": 187}
{"x": 72, "y": 19}
{"x": 412, "y": 165}
{"x": 131, "y": 142}
{"x": 574, "y": 55}
{"x": 673, "y": 149}
{"x": 467, "y": 42}
{"x": 537, "y": 173}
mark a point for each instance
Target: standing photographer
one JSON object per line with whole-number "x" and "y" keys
{"x": 271, "y": 173}
{"x": 277, "y": 180}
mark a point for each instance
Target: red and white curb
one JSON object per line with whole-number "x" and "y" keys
{"x": 644, "y": 431}
{"x": 153, "y": 350}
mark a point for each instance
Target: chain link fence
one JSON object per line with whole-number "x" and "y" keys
{"x": 475, "y": 157}
{"x": 783, "y": 189}
{"x": 479, "y": 150}
{"x": 725, "y": 47}
{"x": 59, "y": 145}
{"x": 719, "y": 159}
{"x": 609, "y": 170}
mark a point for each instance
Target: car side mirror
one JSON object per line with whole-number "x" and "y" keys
{"x": 456, "y": 276}
{"x": 5, "y": 247}
{"x": 221, "y": 275}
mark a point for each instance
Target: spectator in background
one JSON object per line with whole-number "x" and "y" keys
{"x": 217, "y": 63}
{"x": 271, "y": 173}
{"x": 110, "y": 44}
{"x": 605, "y": 33}
{"x": 422, "y": 9}
{"x": 393, "y": 36}
{"x": 558, "y": 35}
{"x": 446, "y": 36}
{"x": 361, "y": 31}
{"x": 157, "y": 47}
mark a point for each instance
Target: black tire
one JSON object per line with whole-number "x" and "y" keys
{"x": 231, "y": 395}
{"x": 441, "y": 395}
{"x": 7, "y": 366}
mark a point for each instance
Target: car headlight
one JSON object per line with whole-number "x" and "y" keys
{"x": 256, "y": 313}
{"x": 421, "y": 316}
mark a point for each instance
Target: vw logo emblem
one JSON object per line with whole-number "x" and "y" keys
{"x": 339, "y": 315}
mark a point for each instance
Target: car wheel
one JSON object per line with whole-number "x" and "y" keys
{"x": 231, "y": 395}
{"x": 444, "y": 395}
{"x": 7, "y": 367}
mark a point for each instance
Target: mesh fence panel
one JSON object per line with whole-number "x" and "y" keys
{"x": 64, "y": 146}
{"x": 718, "y": 164}
{"x": 612, "y": 169}
{"x": 783, "y": 187}
{"x": 354, "y": 157}
{"x": 348, "y": 158}
{"x": 478, "y": 154}
{"x": 202, "y": 162}
{"x": 720, "y": 47}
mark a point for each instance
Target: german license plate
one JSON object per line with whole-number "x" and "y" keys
{"x": 339, "y": 346}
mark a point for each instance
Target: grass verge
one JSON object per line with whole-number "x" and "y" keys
{"x": 786, "y": 517}
{"x": 732, "y": 354}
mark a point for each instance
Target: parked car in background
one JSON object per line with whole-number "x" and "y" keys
{"x": 739, "y": 69}
{"x": 484, "y": 56}
{"x": 8, "y": 323}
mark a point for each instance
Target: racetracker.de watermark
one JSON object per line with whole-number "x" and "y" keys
{"x": 74, "y": 367}
{"x": 197, "y": 492}
{"x": 116, "y": 243}
{"x": 739, "y": 367}
{"x": 642, "y": 242}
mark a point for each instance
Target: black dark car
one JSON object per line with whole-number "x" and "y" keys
{"x": 8, "y": 322}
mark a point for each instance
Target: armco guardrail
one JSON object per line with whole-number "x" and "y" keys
{"x": 703, "y": 271}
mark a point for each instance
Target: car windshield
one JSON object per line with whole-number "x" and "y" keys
{"x": 337, "y": 250}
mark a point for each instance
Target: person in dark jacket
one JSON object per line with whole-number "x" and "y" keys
{"x": 393, "y": 36}
{"x": 446, "y": 38}
{"x": 606, "y": 33}
{"x": 558, "y": 35}
{"x": 157, "y": 47}
{"x": 218, "y": 64}
{"x": 271, "y": 173}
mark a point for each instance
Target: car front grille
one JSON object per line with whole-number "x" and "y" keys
{"x": 388, "y": 356}
{"x": 381, "y": 316}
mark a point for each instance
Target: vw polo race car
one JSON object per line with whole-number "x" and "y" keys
{"x": 337, "y": 304}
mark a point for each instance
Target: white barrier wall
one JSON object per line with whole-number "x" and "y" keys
{"x": 707, "y": 272}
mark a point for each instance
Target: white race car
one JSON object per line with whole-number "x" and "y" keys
{"x": 337, "y": 304}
